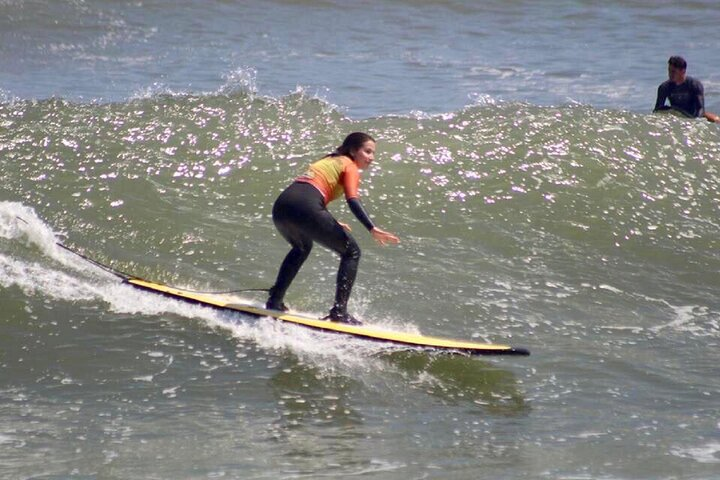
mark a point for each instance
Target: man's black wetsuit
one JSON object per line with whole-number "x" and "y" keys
{"x": 688, "y": 97}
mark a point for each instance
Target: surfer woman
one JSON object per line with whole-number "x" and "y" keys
{"x": 300, "y": 214}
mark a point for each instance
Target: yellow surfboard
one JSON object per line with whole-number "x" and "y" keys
{"x": 413, "y": 340}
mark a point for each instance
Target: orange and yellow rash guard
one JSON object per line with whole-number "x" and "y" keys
{"x": 332, "y": 176}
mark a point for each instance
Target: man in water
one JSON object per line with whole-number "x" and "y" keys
{"x": 686, "y": 94}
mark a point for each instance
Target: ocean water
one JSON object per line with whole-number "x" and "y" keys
{"x": 538, "y": 201}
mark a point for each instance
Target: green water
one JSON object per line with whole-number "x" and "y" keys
{"x": 588, "y": 236}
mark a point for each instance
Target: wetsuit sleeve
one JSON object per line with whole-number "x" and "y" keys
{"x": 700, "y": 99}
{"x": 661, "y": 97}
{"x": 357, "y": 209}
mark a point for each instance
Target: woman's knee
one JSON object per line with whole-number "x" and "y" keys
{"x": 352, "y": 249}
{"x": 302, "y": 250}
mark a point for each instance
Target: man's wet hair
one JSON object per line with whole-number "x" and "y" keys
{"x": 678, "y": 62}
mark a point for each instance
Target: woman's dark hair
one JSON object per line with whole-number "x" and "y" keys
{"x": 678, "y": 62}
{"x": 352, "y": 142}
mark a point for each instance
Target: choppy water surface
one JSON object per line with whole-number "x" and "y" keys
{"x": 574, "y": 224}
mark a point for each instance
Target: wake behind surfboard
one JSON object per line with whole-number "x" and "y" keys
{"x": 410, "y": 340}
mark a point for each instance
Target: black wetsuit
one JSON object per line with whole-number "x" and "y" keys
{"x": 688, "y": 97}
{"x": 300, "y": 215}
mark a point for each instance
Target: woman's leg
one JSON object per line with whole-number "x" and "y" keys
{"x": 330, "y": 234}
{"x": 288, "y": 270}
{"x": 347, "y": 272}
{"x": 287, "y": 215}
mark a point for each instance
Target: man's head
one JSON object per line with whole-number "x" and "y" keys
{"x": 676, "y": 69}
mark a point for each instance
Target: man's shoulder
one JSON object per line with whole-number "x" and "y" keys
{"x": 666, "y": 85}
{"x": 694, "y": 82}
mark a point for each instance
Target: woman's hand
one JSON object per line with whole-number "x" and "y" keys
{"x": 345, "y": 227}
{"x": 383, "y": 237}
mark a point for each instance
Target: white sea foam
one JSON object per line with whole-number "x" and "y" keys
{"x": 708, "y": 453}
{"x": 20, "y": 222}
{"x": 66, "y": 277}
